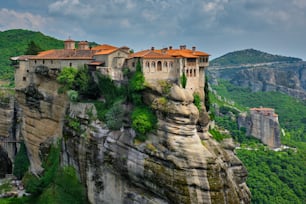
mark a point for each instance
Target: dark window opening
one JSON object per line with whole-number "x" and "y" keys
{"x": 24, "y": 78}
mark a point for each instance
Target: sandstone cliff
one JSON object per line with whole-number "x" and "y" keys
{"x": 262, "y": 126}
{"x": 172, "y": 166}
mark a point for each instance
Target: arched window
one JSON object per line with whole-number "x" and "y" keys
{"x": 159, "y": 66}
{"x": 171, "y": 64}
{"x": 147, "y": 64}
{"x": 190, "y": 72}
{"x": 187, "y": 72}
{"x": 153, "y": 64}
{"x": 165, "y": 64}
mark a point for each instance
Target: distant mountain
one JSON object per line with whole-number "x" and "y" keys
{"x": 249, "y": 56}
{"x": 260, "y": 71}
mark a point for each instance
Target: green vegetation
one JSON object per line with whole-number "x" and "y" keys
{"x": 197, "y": 100}
{"x": 249, "y": 56}
{"x": 217, "y": 135}
{"x": 274, "y": 177}
{"x": 21, "y": 162}
{"x": 56, "y": 184}
{"x": 114, "y": 116}
{"x": 16, "y": 42}
{"x": 183, "y": 80}
{"x": 143, "y": 121}
{"x": 206, "y": 95}
{"x": 292, "y": 112}
{"x": 32, "y": 49}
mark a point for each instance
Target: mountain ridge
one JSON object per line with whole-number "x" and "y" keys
{"x": 250, "y": 56}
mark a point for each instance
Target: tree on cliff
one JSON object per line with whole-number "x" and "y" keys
{"x": 33, "y": 48}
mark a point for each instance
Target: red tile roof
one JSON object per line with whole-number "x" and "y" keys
{"x": 168, "y": 53}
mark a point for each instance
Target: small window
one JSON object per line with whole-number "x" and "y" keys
{"x": 35, "y": 61}
{"x": 133, "y": 64}
{"x": 70, "y": 64}
{"x": 43, "y": 61}
{"x": 51, "y": 61}
{"x": 24, "y": 78}
{"x": 165, "y": 64}
{"x": 27, "y": 70}
{"x": 194, "y": 72}
{"x": 171, "y": 64}
{"x": 153, "y": 64}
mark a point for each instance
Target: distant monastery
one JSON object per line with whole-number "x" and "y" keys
{"x": 164, "y": 64}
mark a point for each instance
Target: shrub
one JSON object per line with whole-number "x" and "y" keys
{"x": 143, "y": 120}
{"x": 73, "y": 95}
{"x": 67, "y": 77}
{"x": 114, "y": 116}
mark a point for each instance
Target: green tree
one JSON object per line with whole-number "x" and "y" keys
{"x": 67, "y": 77}
{"x": 21, "y": 162}
{"x": 183, "y": 80}
{"x": 206, "y": 92}
{"x": 33, "y": 48}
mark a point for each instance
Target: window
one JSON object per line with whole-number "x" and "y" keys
{"x": 24, "y": 78}
{"x": 133, "y": 64}
{"x": 35, "y": 61}
{"x": 171, "y": 64}
{"x": 187, "y": 72}
{"x": 28, "y": 70}
{"x": 70, "y": 64}
{"x": 43, "y": 61}
{"x": 153, "y": 64}
{"x": 165, "y": 64}
{"x": 159, "y": 66}
{"x": 194, "y": 72}
{"x": 147, "y": 64}
{"x": 51, "y": 61}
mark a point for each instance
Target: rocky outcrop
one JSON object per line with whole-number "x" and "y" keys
{"x": 262, "y": 123}
{"x": 172, "y": 166}
{"x": 9, "y": 130}
{"x": 42, "y": 115}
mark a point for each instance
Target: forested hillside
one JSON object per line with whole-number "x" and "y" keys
{"x": 249, "y": 56}
{"x": 15, "y": 42}
{"x": 274, "y": 177}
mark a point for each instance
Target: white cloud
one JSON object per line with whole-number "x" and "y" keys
{"x": 10, "y": 19}
{"x": 73, "y": 8}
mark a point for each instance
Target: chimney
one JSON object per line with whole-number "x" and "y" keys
{"x": 182, "y": 47}
{"x": 152, "y": 48}
{"x": 164, "y": 50}
{"x": 83, "y": 45}
{"x": 69, "y": 44}
{"x": 170, "y": 47}
{"x": 193, "y": 49}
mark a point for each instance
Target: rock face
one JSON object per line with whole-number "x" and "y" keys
{"x": 42, "y": 115}
{"x": 263, "y": 124}
{"x": 288, "y": 78}
{"x": 172, "y": 166}
{"x": 9, "y": 131}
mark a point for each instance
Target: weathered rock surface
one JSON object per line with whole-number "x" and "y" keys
{"x": 9, "y": 131}
{"x": 43, "y": 111}
{"x": 172, "y": 166}
{"x": 261, "y": 126}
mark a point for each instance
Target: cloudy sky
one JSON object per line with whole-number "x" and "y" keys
{"x": 214, "y": 26}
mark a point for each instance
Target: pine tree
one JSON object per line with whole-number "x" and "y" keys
{"x": 33, "y": 48}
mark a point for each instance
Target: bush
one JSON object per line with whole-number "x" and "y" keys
{"x": 67, "y": 77}
{"x": 73, "y": 95}
{"x": 114, "y": 116}
{"x": 143, "y": 120}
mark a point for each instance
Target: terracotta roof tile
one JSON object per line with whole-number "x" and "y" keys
{"x": 169, "y": 53}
